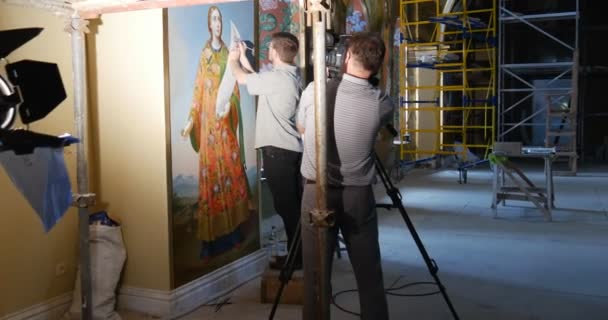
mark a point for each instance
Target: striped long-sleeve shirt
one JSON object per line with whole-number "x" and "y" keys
{"x": 356, "y": 110}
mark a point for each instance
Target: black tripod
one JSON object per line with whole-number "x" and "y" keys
{"x": 395, "y": 195}
{"x": 288, "y": 268}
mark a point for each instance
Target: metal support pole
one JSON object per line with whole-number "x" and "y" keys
{"x": 78, "y": 27}
{"x": 320, "y": 108}
{"x": 321, "y": 217}
{"x": 324, "y": 292}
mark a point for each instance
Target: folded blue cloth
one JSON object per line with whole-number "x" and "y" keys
{"x": 42, "y": 178}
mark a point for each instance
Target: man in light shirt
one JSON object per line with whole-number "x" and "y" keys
{"x": 276, "y": 135}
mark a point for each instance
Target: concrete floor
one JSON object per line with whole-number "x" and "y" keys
{"x": 515, "y": 267}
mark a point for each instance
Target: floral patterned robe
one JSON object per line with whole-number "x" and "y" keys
{"x": 223, "y": 190}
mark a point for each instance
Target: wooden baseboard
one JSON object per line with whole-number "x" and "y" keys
{"x": 52, "y": 309}
{"x": 172, "y": 304}
{"x": 159, "y": 303}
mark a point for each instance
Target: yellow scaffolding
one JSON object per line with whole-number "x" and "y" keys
{"x": 443, "y": 53}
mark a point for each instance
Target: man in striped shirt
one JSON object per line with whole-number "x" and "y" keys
{"x": 356, "y": 110}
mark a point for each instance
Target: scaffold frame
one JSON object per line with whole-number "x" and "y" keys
{"x": 512, "y": 82}
{"x": 457, "y": 39}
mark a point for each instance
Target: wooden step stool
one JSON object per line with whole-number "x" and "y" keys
{"x": 292, "y": 293}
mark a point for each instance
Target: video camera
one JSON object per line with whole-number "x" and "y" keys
{"x": 336, "y": 53}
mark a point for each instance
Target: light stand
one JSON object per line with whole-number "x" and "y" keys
{"x": 37, "y": 90}
{"x": 83, "y": 199}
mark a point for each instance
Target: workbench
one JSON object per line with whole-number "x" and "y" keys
{"x": 522, "y": 188}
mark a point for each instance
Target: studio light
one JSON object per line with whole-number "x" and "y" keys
{"x": 28, "y": 88}
{"x": 34, "y": 88}
{"x": 8, "y": 105}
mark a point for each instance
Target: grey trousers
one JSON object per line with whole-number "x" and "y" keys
{"x": 357, "y": 220}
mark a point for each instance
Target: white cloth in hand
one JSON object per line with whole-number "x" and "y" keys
{"x": 222, "y": 104}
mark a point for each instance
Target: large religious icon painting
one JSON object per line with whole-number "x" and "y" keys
{"x": 213, "y": 162}
{"x": 276, "y": 16}
{"x": 357, "y": 18}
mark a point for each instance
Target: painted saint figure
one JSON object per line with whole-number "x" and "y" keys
{"x": 222, "y": 188}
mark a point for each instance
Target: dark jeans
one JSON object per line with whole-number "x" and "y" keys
{"x": 282, "y": 171}
{"x": 357, "y": 221}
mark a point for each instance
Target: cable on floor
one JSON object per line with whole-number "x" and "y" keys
{"x": 217, "y": 303}
{"x": 391, "y": 291}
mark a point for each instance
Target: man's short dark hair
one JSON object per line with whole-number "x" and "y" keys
{"x": 286, "y": 46}
{"x": 368, "y": 50}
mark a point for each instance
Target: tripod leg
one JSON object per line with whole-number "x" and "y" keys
{"x": 338, "y": 249}
{"x": 430, "y": 263}
{"x": 288, "y": 268}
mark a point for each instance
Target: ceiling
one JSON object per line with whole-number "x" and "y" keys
{"x": 93, "y": 8}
